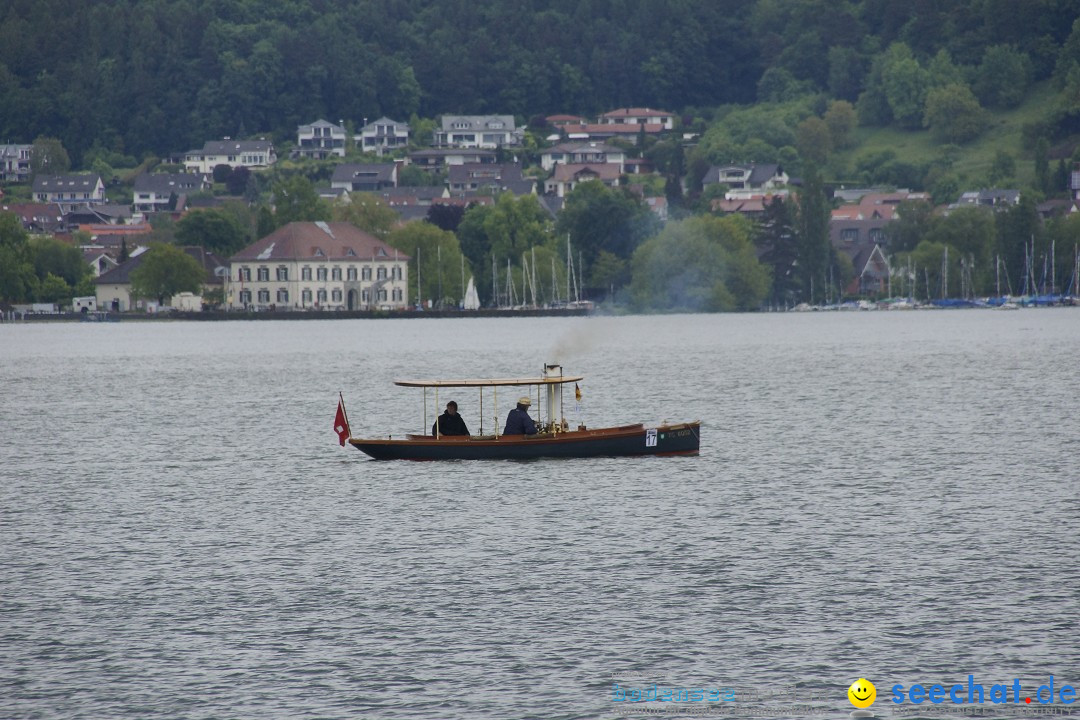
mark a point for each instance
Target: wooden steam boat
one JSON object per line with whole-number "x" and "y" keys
{"x": 554, "y": 437}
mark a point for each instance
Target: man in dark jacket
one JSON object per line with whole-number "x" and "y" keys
{"x": 518, "y": 421}
{"x": 449, "y": 423}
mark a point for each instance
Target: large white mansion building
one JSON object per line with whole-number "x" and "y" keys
{"x": 318, "y": 265}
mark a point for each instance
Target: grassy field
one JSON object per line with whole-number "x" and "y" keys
{"x": 975, "y": 159}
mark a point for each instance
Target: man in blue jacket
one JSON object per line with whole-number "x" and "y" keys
{"x": 518, "y": 421}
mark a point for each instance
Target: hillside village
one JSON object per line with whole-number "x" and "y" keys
{"x": 470, "y": 161}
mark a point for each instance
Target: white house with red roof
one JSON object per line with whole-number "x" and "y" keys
{"x": 639, "y": 116}
{"x": 234, "y": 153}
{"x": 567, "y": 177}
{"x": 318, "y": 266}
{"x": 568, "y": 153}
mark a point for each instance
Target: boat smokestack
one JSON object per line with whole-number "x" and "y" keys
{"x": 554, "y": 394}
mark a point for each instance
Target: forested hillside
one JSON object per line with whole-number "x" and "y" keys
{"x": 158, "y": 76}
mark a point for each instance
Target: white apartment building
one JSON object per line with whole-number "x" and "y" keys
{"x": 318, "y": 266}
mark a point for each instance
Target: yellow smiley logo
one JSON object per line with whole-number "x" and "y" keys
{"x": 862, "y": 693}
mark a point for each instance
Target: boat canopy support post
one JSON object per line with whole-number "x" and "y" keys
{"x": 495, "y": 404}
{"x": 481, "y": 409}
{"x": 423, "y": 428}
{"x": 438, "y": 430}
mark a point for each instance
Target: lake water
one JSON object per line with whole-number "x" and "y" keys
{"x": 883, "y": 495}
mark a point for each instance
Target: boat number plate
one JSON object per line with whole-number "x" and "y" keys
{"x": 650, "y": 438}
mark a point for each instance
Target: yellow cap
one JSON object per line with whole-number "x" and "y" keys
{"x": 524, "y": 400}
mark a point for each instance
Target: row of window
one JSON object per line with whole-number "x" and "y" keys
{"x": 263, "y": 273}
{"x": 852, "y": 235}
{"x": 44, "y": 197}
{"x": 306, "y": 296}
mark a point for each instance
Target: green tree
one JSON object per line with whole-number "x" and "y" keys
{"x": 214, "y": 229}
{"x": 17, "y": 279}
{"x": 264, "y": 222}
{"x": 812, "y": 231}
{"x": 1042, "y": 165}
{"x": 943, "y": 71}
{"x": 847, "y": 71}
{"x": 1069, "y": 55}
{"x": 1003, "y": 77}
{"x": 841, "y": 120}
{"x": 476, "y": 246}
{"x": 780, "y": 250}
{"x": 1060, "y": 181}
{"x": 516, "y": 225}
{"x": 873, "y": 103}
{"x": 953, "y": 114}
{"x": 1063, "y": 234}
{"x": 369, "y": 213}
{"x": 700, "y": 264}
{"x": 813, "y": 140}
{"x": 609, "y": 271}
{"x": 926, "y": 260}
{"x": 295, "y": 200}
{"x": 53, "y": 289}
{"x": 598, "y": 218}
{"x": 237, "y": 181}
{"x": 413, "y": 176}
{"x": 48, "y": 157}
{"x": 1003, "y": 168}
{"x": 446, "y": 217}
{"x": 52, "y": 257}
{"x": 165, "y": 271}
{"x": 905, "y": 84}
{"x": 911, "y": 224}
{"x": 779, "y": 85}
{"x": 440, "y": 262}
{"x": 970, "y": 234}
{"x": 1015, "y": 227}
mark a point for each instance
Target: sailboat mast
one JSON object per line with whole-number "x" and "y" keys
{"x": 945, "y": 274}
{"x": 569, "y": 265}
{"x": 1053, "y": 266}
{"x": 554, "y": 283}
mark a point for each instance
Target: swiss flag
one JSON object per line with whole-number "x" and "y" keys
{"x": 341, "y": 424}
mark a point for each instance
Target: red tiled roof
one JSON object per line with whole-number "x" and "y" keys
{"x": 637, "y": 112}
{"x": 572, "y": 171}
{"x": 613, "y": 128}
{"x": 464, "y": 201}
{"x": 98, "y": 228}
{"x": 309, "y": 240}
{"x": 30, "y": 211}
{"x": 864, "y": 212}
{"x": 557, "y": 119}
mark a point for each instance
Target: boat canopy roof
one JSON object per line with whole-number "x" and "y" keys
{"x": 492, "y": 382}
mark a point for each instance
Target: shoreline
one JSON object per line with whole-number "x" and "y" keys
{"x": 219, "y": 315}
